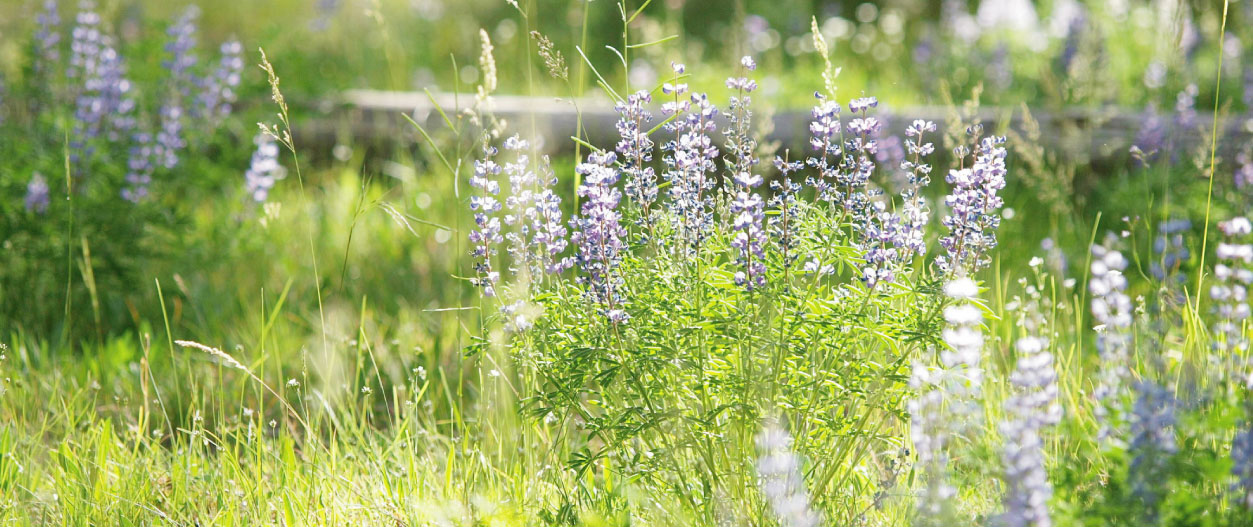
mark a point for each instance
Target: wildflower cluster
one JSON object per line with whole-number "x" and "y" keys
{"x": 108, "y": 128}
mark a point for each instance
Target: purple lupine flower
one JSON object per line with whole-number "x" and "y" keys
{"x": 825, "y": 131}
{"x": 37, "y": 194}
{"x": 1242, "y": 464}
{"x": 85, "y": 53}
{"x": 217, "y": 92}
{"x": 48, "y": 37}
{"x": 170, "y": 135}
{"x": 1244, "y": 170}
{"x": 1234, "y": 275}
{"x": 264, "y": 169}
{"x": 549, "y": 231}
{"x": 1170, "y": 249}
{"x": 520, "y": 207}
{"x": 914, "y": 214}
{"x": 85, "y": 41}
{"x": 858, "y": 163}
{"x": 104, "y": 105}
{"x": 1112, "y": 311}
{"x": 883, "y": 235}
{"x": 845, "y": 162}
{"x": 689, "y": 161}
{"x": 1152, "y": 136}
{"x": 486, "y": 234}
{"x": 599, "y": 234}
{"x": 636, "y": 149}
{"x": 747, "y": 208}
{"x": 1152, "y": 444}
{"x": 973, "y": 209}
{"x": 749, "y": 241}
{"x": 946, "y": 398}
{"x": 181, "y": 47}
{"x": 782, "y": 480}
{"x": 784, "y": 203}
{"x": 115, "y": 95}
{"x": 1032, "y": 406}
{"x": 139, "y": 167}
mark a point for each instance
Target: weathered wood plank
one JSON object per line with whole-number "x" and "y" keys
{"x": 376, "y": 118}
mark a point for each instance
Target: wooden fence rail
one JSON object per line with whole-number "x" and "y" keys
{"x": 1080, "y": 135}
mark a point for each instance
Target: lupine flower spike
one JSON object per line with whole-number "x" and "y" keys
{"x": 784, "y": 203}
{"x": 486, "y": 235}
{"x": 1112, "y": 311}
{"x": 636, "y": 149}
{"x": 781, "y": 479}
{"x": 747, "y": 208}
{"x": 1032, "y": 407}
{"x": 264, "y": 169}
{"x": 974, "y": 206}
{"x": 600, "y": 235}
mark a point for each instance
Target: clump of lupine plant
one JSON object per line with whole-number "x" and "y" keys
{"x": 692, "y": 301}
{"x": 123, "y": 127}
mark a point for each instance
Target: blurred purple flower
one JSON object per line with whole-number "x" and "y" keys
{"x": 37, "y": 198}
{"x": 217, "y": 92}
{"x": 263, "y": 170}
